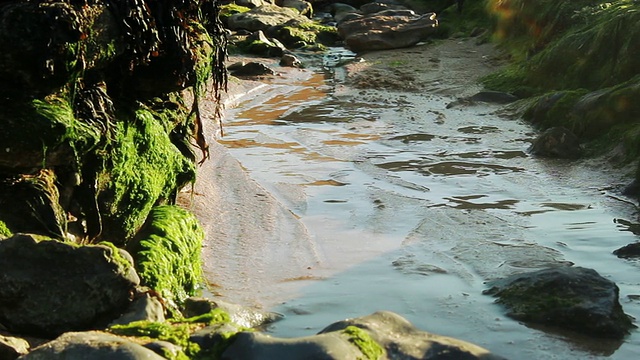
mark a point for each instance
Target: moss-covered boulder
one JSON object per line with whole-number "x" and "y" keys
{"x": 167, "y": 253}
{"x": 573, "y": 298}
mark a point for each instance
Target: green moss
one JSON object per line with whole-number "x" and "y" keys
{"x": 4, "y": 230}
{"x": 231, "y": 9}
{"x": 122, "y": 261}
{"x": 177, "y": 334}
{"x": 360, "y": 338}
{"x": 215, "y": 316}
{"x": 145, "y": 168}
{"x": 167, "y": 253}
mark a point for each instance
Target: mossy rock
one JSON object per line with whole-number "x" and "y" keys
{"x": 307, "y": 34}
{"x": 30, "y": 204}
{"x": 144, "y": 169}
{"x": 361, "y": 338}
{"x": 177, "y": 332}
{"x": 573, "y": 298}
{"x": 44, "y": 132}
{"x": 167, "y": 253}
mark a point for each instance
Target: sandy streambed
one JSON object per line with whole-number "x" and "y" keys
{"x": 337, "y": 193}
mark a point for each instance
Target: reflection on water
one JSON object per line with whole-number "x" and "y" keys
{"x": 411, "y": 216}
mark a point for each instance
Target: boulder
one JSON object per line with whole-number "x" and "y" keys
{"x": 254, "y": 346}
{"x": 263, "y": 17}
{"x": 629, "y": 251}
{"x": 290, "y": 60}
{"x": 389, "y": 29}
{"x": 557, "y": 142}
{"x": 572, "y": 298}
{"x": 48, "y": 287}
{"x": 12, "y": 347}
{"x": 144, "y": 308}
{"x": 303, "y": 7}
{"x": 241, "y": 315}
{"x": 252, "y": 68}
{"x": 382, "y": 335}
{"x": 259, "y": 44}
{"x": 401, "y": 340}
{"x": 91, "y": 345}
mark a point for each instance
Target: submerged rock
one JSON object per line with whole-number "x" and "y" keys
{"x": 572, "y": 298}
{"x": 48, "y": 287}
{"x": 557, "y": 142}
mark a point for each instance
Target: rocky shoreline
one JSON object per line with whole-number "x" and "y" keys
{"x": 99, "y": 143}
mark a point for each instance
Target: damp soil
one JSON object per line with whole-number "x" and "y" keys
{"x": 340, "y": 190}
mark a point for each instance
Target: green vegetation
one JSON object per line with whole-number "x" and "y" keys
{"x": 178, "y": 332}
{"x": 360, "y": 338}
{"x": 578, "y": 60}
{"x": 167, "y": 253}
{"x": 4, "y": 230}
{"x": 144, "y": 168}
{"x": 232, "y": 9}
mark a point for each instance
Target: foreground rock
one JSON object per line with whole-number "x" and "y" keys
{"x": 91, "y": 345}
{"x": 382, "y": 335}
{"x": 49, "y": 287}
{"x": 557, "y": 142}
{"x": 572, "y": 298}
{"x": 390, "y": 29}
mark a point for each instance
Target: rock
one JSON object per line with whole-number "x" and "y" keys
{"x": 303, "y": 7}
{"x": 389, "y": 29}
{"x": 342, "y": 11}
{"x": 165, "y": 349}
{"x": 259, "y": 44}
{"x": 12, "y": 347}
{"x": 557, "y": 142}
{"x": 382, "y": 335}
{"x": 214, "y": 336}
{"x": 290, "y": 60}
{"x": 92, "y": 284}
{"x": 91, "y": 345}
{"x": 263, "y": 17}
{"x": 145, "y": 307}
{"x": 242, "y": 315}
{"x": 250, "y": 69}
{"x": 251, "y": 3}
{"x": 402, "y": 340}
{"x": 494, "y": 97}
{"x": 572, "y": 298}
{"x": 628, "y": 251}
{"x": 375, "y": 7}
{"x": 254, "y": 346}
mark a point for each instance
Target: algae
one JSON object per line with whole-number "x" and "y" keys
{"x": 177, "y": 334}
{"x": 4, "y": 230}
{"x": 178, "y": 331}
{"x": 360, "y": 338}
{"x": 167, "y": 253}
{"x": 145, "y": 168}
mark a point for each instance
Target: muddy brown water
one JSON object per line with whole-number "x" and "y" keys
{"x": 324, "y": 205}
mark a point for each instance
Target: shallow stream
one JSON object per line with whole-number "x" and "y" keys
{"x": 379, "y": 200}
